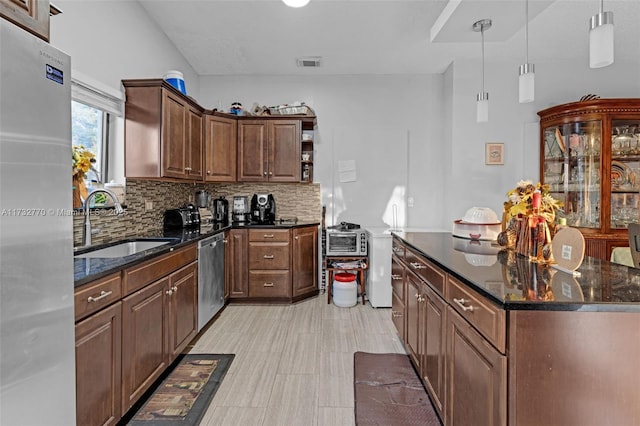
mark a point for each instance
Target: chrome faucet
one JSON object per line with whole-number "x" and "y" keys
{"x": 86, "y": 234}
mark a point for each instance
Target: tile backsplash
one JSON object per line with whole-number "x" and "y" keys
{"x": 292, "y": 200}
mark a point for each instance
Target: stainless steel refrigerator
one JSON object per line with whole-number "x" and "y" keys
{"x": 37, "y": 349}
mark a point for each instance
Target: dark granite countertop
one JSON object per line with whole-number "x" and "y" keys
{"x": 88, "y": 269}
{"x": 517, "y": 284}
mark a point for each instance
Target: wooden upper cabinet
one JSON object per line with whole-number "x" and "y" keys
{"x": 31, "y": 15}
{"x": 220, "y": 149}
{"x": 269, "y": 150}
{"x": 163, "y": 132}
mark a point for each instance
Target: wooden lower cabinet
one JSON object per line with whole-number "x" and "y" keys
{"x": 236, "y": 267}
{"x": 277, "y": 264}
{"x": 158, "y": 323}
{"x": 433, "y": 348}
{"x": 99, "y": 368}
{"x": 145, "y": 346}
{"x": 398, "y": 297}
{"x": 304, "y": 261}
{"x": 476, "y": 377}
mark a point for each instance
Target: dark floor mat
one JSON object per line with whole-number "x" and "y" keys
{"x": 389, "y": 392}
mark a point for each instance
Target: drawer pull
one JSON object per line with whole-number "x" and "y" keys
{"x": 461, "y": 302}
{"x": 396, "y": 277}
{"x": 396, "y": 249}
{"x": 268, "y": 236}
{"x": 396, "y": 314}
{"x": 416, "y": 265}
{"x": 268, "y": 285}
{"x": 268, "y": 256}
{"x": 103, "y": 294}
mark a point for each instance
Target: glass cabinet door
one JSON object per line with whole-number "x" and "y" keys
{"x": 625, "y": 170}
{"x": 572, "y": 170}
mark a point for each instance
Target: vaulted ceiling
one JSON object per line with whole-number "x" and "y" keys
{"x": 265, "y": 37}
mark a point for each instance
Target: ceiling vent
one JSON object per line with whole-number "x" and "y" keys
{"x": 309, "y": 62}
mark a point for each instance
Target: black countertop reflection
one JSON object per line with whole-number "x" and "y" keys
{"x": 515, "y": 283}
{"x": 89, "y": 269}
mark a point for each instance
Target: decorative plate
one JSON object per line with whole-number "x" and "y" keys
{"x": 622, "y": 176}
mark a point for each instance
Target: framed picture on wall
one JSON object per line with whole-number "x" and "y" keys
{"x": 494, "y": 153}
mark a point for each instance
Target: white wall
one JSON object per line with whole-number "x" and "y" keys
{"x": 388, "y": 125}
{"x": 110, "y": 41}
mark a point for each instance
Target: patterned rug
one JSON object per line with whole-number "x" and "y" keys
{"x": 185, "y": 393}
{"x": 389, "y": 392}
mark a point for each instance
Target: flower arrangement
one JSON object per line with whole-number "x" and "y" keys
{"x": 520, "y": 202}
{"x": 81, "y": 160}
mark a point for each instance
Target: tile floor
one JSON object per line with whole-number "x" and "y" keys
{"x": 293, "y": 363}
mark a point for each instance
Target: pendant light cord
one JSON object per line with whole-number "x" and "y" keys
{"x": 482, "y": 36}
{"x": 526, "y": 32}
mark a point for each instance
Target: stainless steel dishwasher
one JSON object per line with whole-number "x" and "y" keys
{"x": 210, "y": 278}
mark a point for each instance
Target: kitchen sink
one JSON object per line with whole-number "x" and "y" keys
{"x": 125, "y": 248}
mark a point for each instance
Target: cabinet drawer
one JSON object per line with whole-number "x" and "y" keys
{"x": 398, "y": 248}
{"x": 269, "y": 284}
{"x": 96, "y": 295}
{"x": 269, "y": 256}
{"x": 426, "y": 270}
{"x": 269, "y": 235}
{"x": 147, "y": 272}
{"x": 484, "y": 316}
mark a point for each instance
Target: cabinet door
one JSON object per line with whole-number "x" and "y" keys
{"x": 236, "y": 263}
{"x": 252, "y": 151}
{"x": 398, "y": 297}
{"x": 183, "y": 308}
{"x": 193, "y": 145}
{"x": 99, "y": 368}
{"x": 476, "y": 375}
{"x": 434, "y": 309}
{"x": 32, "y": 15}
{"x": 412, "y": 312}
{"x": 284, "y": 151}
{"x": 220, "y": 149}
{"x": 227, "y": 272}
{"x": 174, "y": 129}
{"x": 144, "y": 339}
{"x": 305, "y": 260}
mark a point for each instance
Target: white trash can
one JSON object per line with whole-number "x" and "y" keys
{"x": 345, "y": 290}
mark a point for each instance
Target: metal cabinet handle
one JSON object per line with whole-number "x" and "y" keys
{"x": 103, "y": 294}
{"x": 174, "y": 288}
{"x": 264, "y": 173}
{"x": 268, "y": 284}
{"x": 268, "y": 256}
{"x": 270, "y": 173}
{"x": 396, "y": 249}
{"x": 188, "y": 169}
{"x": 169, "y": 292}
{"x": 396, "y": 314}
{"x": 208, "y": 172}
{"x": 268, "y": 236}
{"x": 461, "y": 302}
{"x": 416, "y": 265}
{"x": 396, "y": 277}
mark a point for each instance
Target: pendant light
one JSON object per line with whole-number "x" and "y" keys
{"x": 482, "y": 104}
{"x": 295, "y": 3}
{"x": 601, "y": 39}
{"x": 527, "y": 78}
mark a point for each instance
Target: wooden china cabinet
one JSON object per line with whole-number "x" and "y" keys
{"x": 590, "y": 157}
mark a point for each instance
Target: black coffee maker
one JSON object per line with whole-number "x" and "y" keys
{"x": 263, "y": 209}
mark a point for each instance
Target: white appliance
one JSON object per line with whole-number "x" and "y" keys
{"x": 378, "y": 284}
{"x": 37, "y": 334}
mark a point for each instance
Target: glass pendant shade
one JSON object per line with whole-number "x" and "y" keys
{"x": 482, "y": 107}
{"x": 601, "y": 40}
{"x": 526, "y": 84}
{"x": 295, "y": 3}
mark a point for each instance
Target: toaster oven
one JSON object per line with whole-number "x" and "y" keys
{"x": 346, "y": 243}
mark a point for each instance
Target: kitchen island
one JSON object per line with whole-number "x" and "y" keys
{"x": 498, "y": 340}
